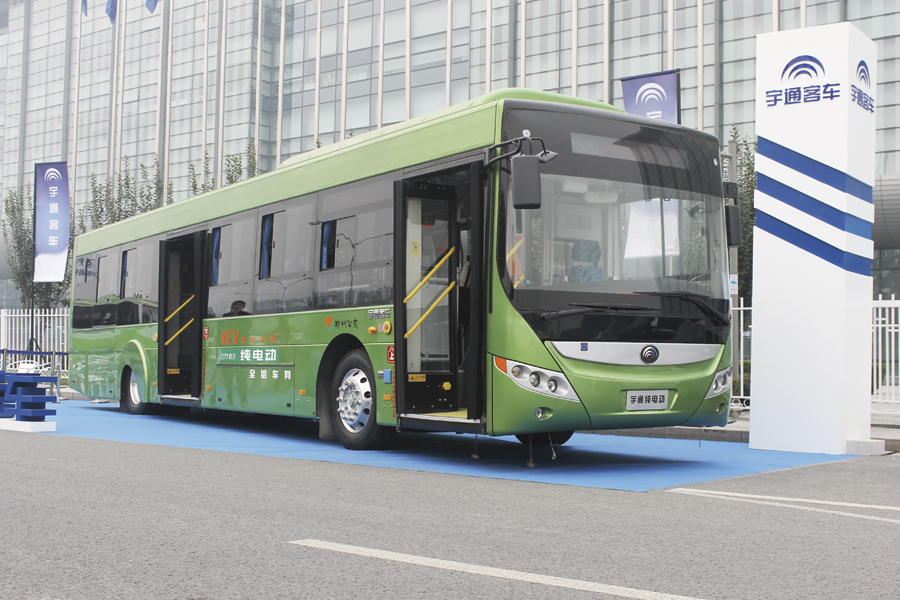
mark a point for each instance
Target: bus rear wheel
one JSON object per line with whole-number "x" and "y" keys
{"x": 542, "y": 439}
{"x": 354, "y": 405}
{"x": 131, "y": 394}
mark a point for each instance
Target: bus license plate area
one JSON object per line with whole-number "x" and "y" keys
{"x": 647, "y": 400}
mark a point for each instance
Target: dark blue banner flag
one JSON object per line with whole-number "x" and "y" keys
{"x": 111, "y": 8}
{"x": 655, "y": 95}
{"x": 51, "y": 221}
{"x": 151, "y": 5}
{"x": 84, "y": 7}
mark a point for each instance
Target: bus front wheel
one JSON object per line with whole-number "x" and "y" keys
{"x": 354, "y": 404}
{"x": 542, "y": 439}
{"x": 131, "y": 394}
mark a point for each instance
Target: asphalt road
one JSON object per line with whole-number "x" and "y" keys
{"x": 97, "y": 519}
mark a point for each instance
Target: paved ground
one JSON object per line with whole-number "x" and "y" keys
{"x": 739, "y": 431}
{"x": 615, "y": 462}
{"x": 98, "y": 519}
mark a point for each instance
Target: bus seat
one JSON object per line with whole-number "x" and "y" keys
{"x": 586, "y": 256}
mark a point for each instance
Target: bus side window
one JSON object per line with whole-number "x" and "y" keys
{"x": 85, "y": 291}
{"x": 215, "y": 255}
{"x": 329, "y": 237}
{"x": 107, "y": 291}
{"x": 231, "y": 267}
{"x": 265, "y": 246}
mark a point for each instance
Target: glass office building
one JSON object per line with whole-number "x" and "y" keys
{"x": 200, "y": 79}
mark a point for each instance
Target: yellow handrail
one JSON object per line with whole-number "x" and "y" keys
{"x": 430, "y": 273}
{"x": 518, "y": 282}
{"x": 179, "y": 331}
{"x": 431, "y": 308}
{"x": 179, "y": 308}
{"x": 514, "y": 248}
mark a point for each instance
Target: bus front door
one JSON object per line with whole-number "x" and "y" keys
{"x": 437, "y": 335}
{"x": 181, "y": 309}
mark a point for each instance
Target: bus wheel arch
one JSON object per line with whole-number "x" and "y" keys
{"x": 336, "y": 350}
{"x": 134, "y": 391}
{"x": 131, "y": 399}
{"x": 354, "y": 405}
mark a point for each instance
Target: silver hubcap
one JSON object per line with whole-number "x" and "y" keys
{"x": 134, "y": 391}
{"x": 355, "y": 400}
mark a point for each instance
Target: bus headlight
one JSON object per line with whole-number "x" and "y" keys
{"x": 720, "y": 383}
{"x": 537, "y": 379}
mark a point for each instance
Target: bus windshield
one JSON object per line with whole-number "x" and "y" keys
{"x": 631, "y": 222}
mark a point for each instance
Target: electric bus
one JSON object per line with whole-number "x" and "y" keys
{"x": 524, "y": 264}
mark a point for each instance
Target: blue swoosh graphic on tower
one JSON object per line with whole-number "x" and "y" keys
{"x": 814, "y": 169}
{"x": 814, "y": 208}
{"x": 790, "y": 234}
{"x": 835, "y": 217}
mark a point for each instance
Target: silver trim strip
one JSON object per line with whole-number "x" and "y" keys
{"x": 629, "y": 353}
{"x": 441, "y": 419}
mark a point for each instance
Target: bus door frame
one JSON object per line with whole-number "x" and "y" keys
{"x": 472, "y": 385}
{"x": 195, "y": 309}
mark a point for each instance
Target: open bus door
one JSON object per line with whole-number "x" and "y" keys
{"x": 438, "y": 301}
{"x": 182, "y": 306}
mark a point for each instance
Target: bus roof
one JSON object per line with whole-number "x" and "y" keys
{"x": 460, "y": 128}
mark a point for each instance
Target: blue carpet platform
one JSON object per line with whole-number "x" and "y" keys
{"x": 589, "y": 460}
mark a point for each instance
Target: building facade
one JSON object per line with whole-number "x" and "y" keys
{"x": 197, "y": 81}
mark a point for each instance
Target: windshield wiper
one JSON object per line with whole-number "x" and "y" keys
{"x": 542, "y": 314}
{"x": 699, "y": 300}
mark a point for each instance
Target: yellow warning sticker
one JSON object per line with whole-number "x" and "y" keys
{"x": 417, "y": 378}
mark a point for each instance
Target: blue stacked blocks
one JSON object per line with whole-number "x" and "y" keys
{"x": 22, "y": 398}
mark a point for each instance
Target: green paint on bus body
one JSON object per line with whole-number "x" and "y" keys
{"x": 271, "y": 363}
{"x": 461, "y": 128}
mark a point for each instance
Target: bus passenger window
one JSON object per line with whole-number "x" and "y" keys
{"x": 265, "y": 247}
{"x": 216, "y": 256}
{"x": 85, "y": 283}
{"x": 329, "y": 237}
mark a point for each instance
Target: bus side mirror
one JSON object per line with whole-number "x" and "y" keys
{"x": 526, "y": 181}
{"x": 733, "y": 225}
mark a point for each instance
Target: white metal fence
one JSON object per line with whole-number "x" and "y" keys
{"x": 740, "y": 351}
{"x": 50, "y": 335}
{"x": 886, "y": 361}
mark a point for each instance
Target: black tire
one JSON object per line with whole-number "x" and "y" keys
{"x": 353, "y": 404}
{"x": 131, "y": 394}
{"x": 543, "y": 439}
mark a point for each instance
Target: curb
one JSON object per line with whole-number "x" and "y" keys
{"x": 720, "y": 434}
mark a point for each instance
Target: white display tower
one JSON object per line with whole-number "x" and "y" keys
{"x": 812, "y": 245}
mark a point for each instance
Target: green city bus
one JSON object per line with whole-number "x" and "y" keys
{"x": 523, "y": 264}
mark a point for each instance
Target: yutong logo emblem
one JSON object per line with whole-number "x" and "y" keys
{"x": 802, "y": 74}
{"x": 857, "y": 96}
{"x": 649, "y": 355}
{"x": 652, "y": 93}
{"x": 803, "y": 65}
